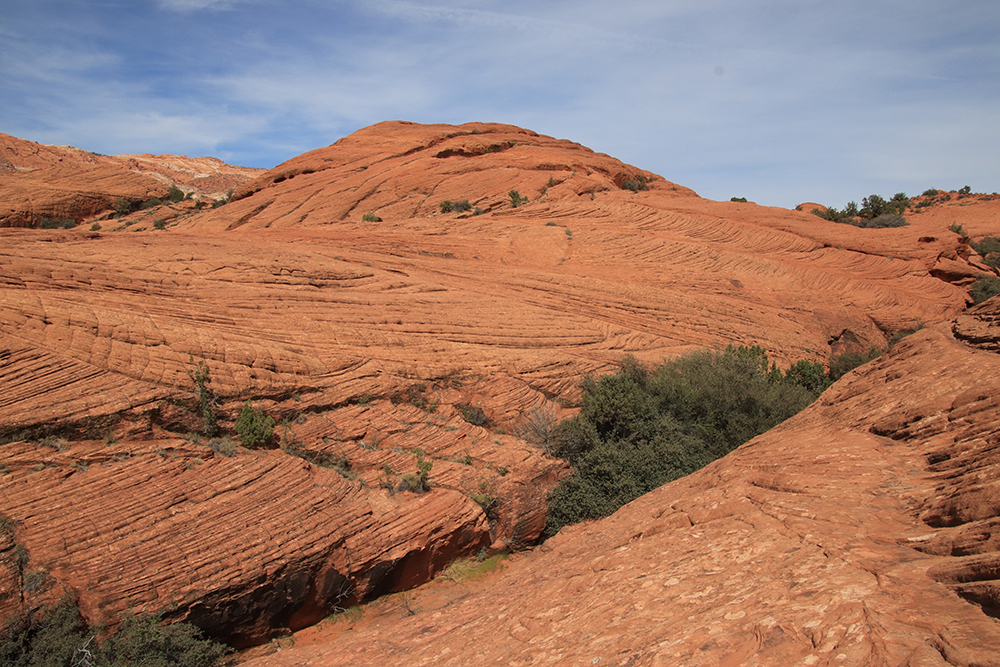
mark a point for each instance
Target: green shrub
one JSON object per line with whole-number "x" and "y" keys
{"x": 930, "y": 192}
{"x": 160, "y": 224}
{"x": 635, "y": 185}
{"x": 370, "y": 217}
{"x": 516, "y": 199}
{"x": 809, "y": 375}
{"x": 56, "y": 636}
{"x": 447, "y": 206}
{"x": 989, "y": 248}
{"x": 416, "y": 481}
{"x": 462, "y": 205}
{"x": 843, "y": 364}
{"x": 742, "y": 200}
{"x": 883, "y": 221}
{"x": 96, "y": 227}
{"x": 253, "y": 427}
{"x": 123, "y": 207}
{"x": 152, "y": 202}
{"x": 985, "y": 287}
{"x": 175, "y": 194}
{"x": 641, "y": 428}
{"x": 200, "y": 376}
{"x": 473, "y": 415}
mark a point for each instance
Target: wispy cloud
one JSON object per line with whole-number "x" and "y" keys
{"x": 777, "y": 100}
{"x": 195, "y": 5}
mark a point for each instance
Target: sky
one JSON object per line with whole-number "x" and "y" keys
{"x": 779, "y": 101}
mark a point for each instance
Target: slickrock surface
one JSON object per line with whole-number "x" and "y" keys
{"x": 40, "y": 181}
{"x": 861, "y": 532}
{"x": 368, "y": 340}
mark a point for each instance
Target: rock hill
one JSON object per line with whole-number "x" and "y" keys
{"x": 458, "y": 333}
{"x": 38, "y": 181}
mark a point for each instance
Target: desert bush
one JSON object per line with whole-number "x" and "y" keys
{"x": 882, "y": 221}
{"x": 175, "y": 194}
{"x": 985, "y": 287}
{"x": 96, "y": 227}
{"x": 462, "y": 205}
{"x": 160, "y": 224}
{"x": 516, "y": 199}
{"x": 123, "y": 207}
{"x": 447, "y": 206}
{"x": 57, "y": 223}
{"x": 57, "y": 636}
{"x": 843, "y": 364}
{"x": 536, "y": 426}
{"x": 224, "y": 446}
{"x": 930, "y": 192}
{"x": 642, "y": 427}
{"x": 370, "y": 217}
{"x": 473, "y": 415}
{"x": 742, "y": 200}
{"x": 416, "y": 481}
{"x": 206, "y": 399}
{"x": 253, "y": 427}
{"x": 635, "y": 185}
{"x": 809, "y": 375}
{"x": 989, "y": 248}
{"x": 152, "y": 202}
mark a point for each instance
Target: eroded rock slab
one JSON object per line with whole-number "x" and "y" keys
{"x": 860, "y": 532}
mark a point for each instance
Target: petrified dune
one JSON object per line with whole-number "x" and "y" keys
{"x": 856, "y": 533}
{"x": 369, "y": 338}
{"x": 39, "y": 181}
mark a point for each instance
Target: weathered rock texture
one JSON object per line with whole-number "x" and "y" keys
{"x": 861, "y": 532}
{"x": 40, "y": 181}
{"x": 368, "y": 340}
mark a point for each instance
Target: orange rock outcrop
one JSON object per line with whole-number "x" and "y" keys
{"x": 861, "y": 532}
{"x": 40, "y": 181}
{"x": 370, "y": 340}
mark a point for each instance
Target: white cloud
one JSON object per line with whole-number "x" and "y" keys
{"x": 196, "y": 5}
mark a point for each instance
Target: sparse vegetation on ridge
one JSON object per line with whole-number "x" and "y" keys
{"x": 874, "y": 213}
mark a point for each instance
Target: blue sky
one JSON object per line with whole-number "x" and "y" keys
{"x": 780, "y": 101}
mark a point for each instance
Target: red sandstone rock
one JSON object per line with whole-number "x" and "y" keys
{"x": 862, "y": 531}
{"x": 367, "y": 337}
{"x": 39, "y": 181}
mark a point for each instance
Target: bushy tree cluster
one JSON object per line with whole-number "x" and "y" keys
{"x": 57, "y": 637}
{"x": 875, "y": 212}
{"x": 641, "y": 428}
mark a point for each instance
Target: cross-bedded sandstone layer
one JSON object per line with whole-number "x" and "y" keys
{"x": 861, "y": 532}
{"x": 368, "y": 340}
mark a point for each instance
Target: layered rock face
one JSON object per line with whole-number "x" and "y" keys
{"x": 443, "y": 337}
{"x": 61, "y": 182}
{"x": 861, "y": 532}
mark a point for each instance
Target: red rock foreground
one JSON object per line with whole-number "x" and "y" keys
{"x": 372, "y": 340}
{"x": 864, "y": 531}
